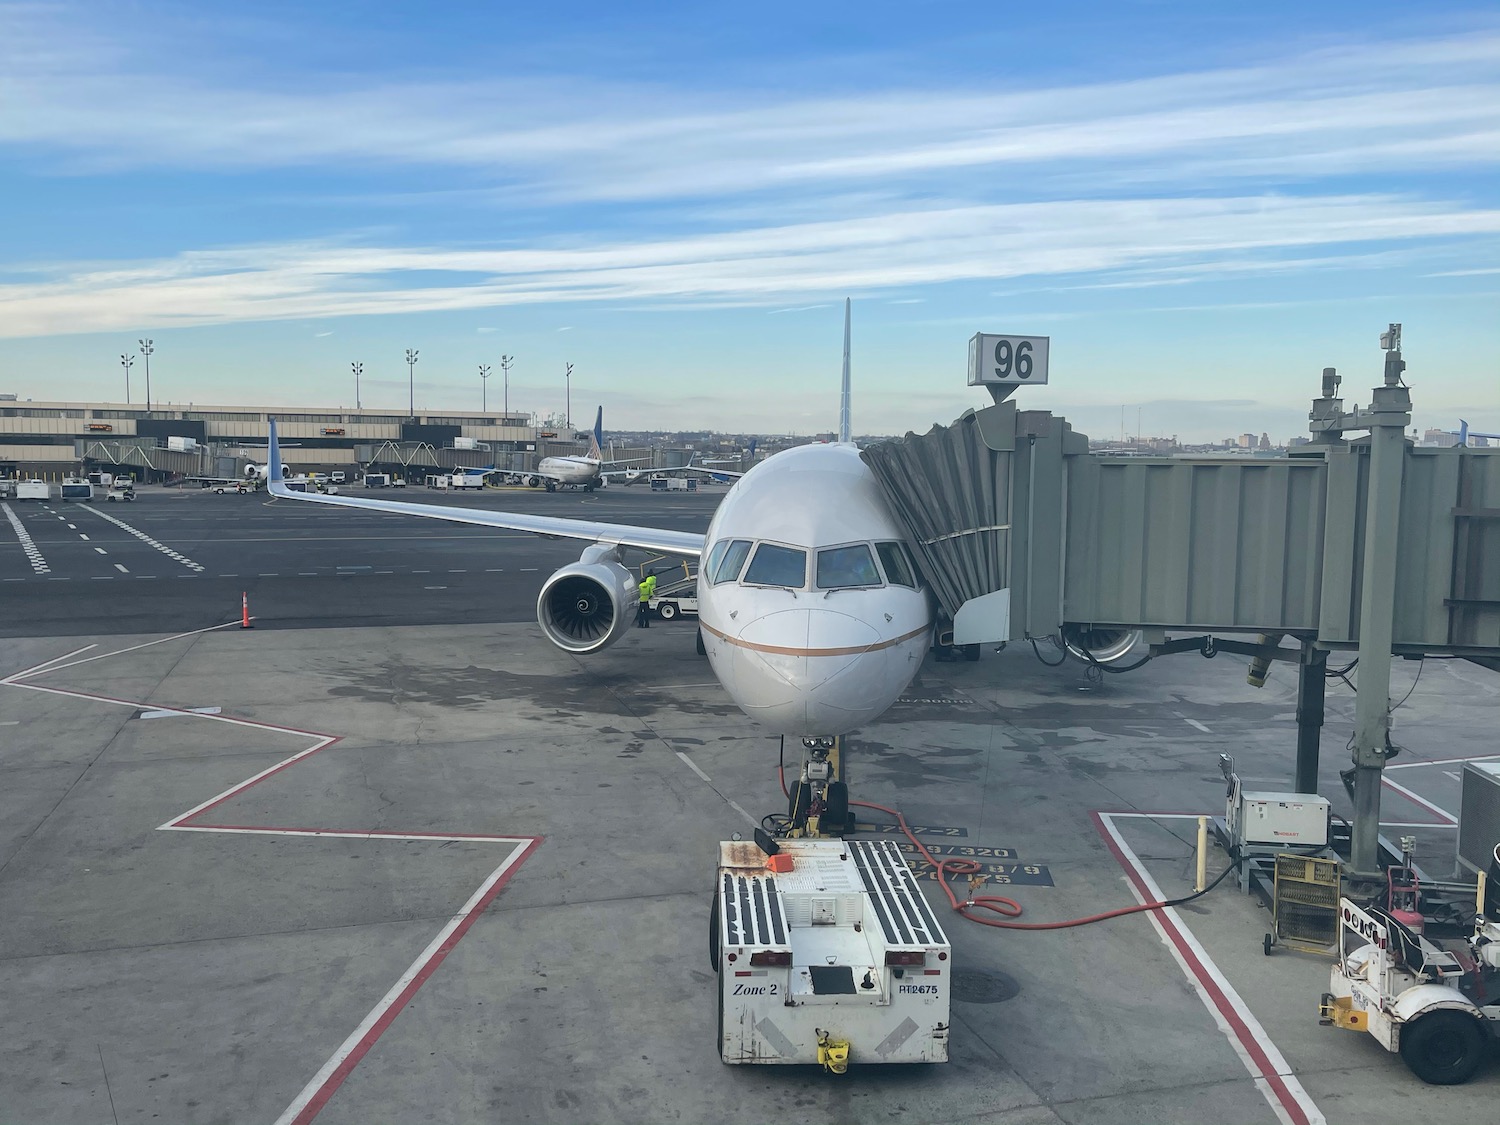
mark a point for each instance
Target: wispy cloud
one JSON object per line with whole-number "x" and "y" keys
{"x": 320, "y": 335}
{"x": 897, "y": 250}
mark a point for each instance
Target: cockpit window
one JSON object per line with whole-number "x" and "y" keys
{"x": 842, "y": 567}
{"x": 725, "y": 560}
{"x": 893, "y": 558}
{"x": 777, "y": 566}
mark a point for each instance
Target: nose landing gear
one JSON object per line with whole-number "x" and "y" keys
{"x": 818, "y": 801}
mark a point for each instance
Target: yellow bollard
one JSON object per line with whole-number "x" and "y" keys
{"x": 1202, "y": 880}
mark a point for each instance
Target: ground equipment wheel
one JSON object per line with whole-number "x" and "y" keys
{"x": 1444, "y": 1047}
{"x": 971, "y": 652}
{"x": 701, "y": 650}
{"x": 551, "y": 486}
{"x": 713, "y": 934}
{"x": 590, "y": 486}
{"x": 1266, "y": 943}
{"x": 668, "y": 610}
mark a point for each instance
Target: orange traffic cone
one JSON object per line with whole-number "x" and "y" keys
{"x": 245, "y": 611}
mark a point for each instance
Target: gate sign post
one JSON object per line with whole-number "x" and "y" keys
{"x": 1007, "y": 361}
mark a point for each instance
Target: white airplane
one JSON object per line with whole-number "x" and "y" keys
{"x": 586, "y": 471}
{"x": 812, "y": 614}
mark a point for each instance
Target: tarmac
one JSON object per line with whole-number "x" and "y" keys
{"x": 341, "y": 869}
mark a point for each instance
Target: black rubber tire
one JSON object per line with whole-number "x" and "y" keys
{"x": 1443, "y": 1048}
{"x": 798, "y": 801}
{"x": 836, "y": 808}
{"x": 535, "y": 482}
{"x": 551, "y": 486}
{"x": 702, "y": 651}
{"x": 713, "y": 934}
{"x": 971, "y": 652}
{"x": 667, "y": 610}
{"x": 1266, "y": 943}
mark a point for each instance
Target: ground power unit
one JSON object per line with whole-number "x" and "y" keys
{"x": 828, "y": 953}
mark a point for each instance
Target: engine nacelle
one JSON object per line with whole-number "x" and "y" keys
{"x": 1099, "y": 646}
{"x": 588, "y": 606}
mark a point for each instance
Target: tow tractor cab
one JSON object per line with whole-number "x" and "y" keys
{"x": 1438, "y": 1009}
{"x": 827, "y": 953}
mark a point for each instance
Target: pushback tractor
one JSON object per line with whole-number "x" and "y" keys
{"x": 1439, "y": 1009}
{"x": 827, "y": 952}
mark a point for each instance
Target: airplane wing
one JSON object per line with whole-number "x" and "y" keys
{"x": 714, "y": 472}
{"x": 646, "y": 538}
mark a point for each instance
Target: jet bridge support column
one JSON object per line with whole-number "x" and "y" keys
{"x": 1312, "y": 671}
{"x": 1387, "y": 419}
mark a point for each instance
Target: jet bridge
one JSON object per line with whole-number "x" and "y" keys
{"x": 1090, "y": 547}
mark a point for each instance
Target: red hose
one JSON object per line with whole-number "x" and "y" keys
{"x": 996, "y": 904}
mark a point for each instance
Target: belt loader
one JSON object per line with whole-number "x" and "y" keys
{"x": 828, "y": 953}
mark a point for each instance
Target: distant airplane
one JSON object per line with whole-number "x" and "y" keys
{"x": 586, "y": 471}
{"x": 1463, "y": 433}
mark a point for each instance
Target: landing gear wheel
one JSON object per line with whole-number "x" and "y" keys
{"x": 667, "y": 610}
{"x": 698, "y": 642}
{"x": 551, "y": 486}
{"x": 798, "y": 802}
{"x": 534, "y": 482}
{"x": 835, "y": 817}
{"x": 1444, "y": 1047}
{"x": 590, "y": 486}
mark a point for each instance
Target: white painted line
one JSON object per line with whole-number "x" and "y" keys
{"x": 41, "y": 669}
{"x": 323, "y": 1084}
{"x": 36, "y": 669}
{"x": 101, "y": 550}
{"x": 1196, "y": 723}
{"x": 1417, "y": 799}
{"x": 150, "y": 542}
{"x": 121, "y": 569}
{"x": 103, "y": 578}
{"x": 82, "y": 536}
{"x": 692, "y": 765}
{"x": 736, "y": 807}
{"x": 1450, "y": 773}
{"x": 72, "y": 527}
{"x": 10, "y": 723}
{"x": 173, "y": 712}
{"x": 1442, "y": 762}
{"x": 1414, "y": 824}
{"x": 1271, "y": 1073}
{"x": 494, "y": 570}
{"x": 33, "y": 553}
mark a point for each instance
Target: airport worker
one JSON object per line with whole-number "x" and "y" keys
{"x": 643, "y": 615}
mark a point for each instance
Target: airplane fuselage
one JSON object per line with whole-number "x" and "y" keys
{"x": 570, "y": 470}
{"x": 807, "y": 653}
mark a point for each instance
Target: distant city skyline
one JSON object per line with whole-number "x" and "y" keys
{"x": 1202, "y": 206}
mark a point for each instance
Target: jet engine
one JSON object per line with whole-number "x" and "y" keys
{"x": 252, "y": 471}
{"x": 1094, "y": 645}
{"x": 588, "y": 605}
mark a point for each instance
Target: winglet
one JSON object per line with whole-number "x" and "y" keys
{"x": 273, "y": 467}
{"x": 596, "y": 450}
{"x": 844, "y": 431}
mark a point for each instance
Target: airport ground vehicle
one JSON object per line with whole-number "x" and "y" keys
{"x": 826, "y": 952}
{"x": 671, "y": 606}
{"x": 240, "y": 488}
{"x": 377, "y": 480}
{"x": 662, "y": 483}
{"x": 33, "y": 490}
{"x": 1439, "y": 1010}
{"x": 124, "y": 491}
{"x": 338, "y": 476}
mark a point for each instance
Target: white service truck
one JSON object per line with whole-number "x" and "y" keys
{"x": 33, "y": 490}
{"x": 1438, "y": 1010}
{"x": 827, "y": 952}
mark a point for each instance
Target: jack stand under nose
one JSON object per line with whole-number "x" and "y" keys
{"x": 818, "y": 803}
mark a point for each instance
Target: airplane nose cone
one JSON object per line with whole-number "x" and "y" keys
{"x": 812, "y": 671}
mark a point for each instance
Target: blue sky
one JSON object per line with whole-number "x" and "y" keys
{"x": 1201, "y": 204}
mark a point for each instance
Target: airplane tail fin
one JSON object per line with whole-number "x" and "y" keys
{"x": 596, "y": 443}
{"x": 1463, "y": 433}
{"x": 750, "y": 453}
{"x": 844, "y": 429}
{"x": 273, "y": 467}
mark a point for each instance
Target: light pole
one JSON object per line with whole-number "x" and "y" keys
{"x": 146, "y": 350}
{"x": 484, "y": 376}
{"x": 505, "y": 361}
{"x": 411, "y": 385}
{"x": 358, "y": 369}
{"x": 568, "y": 400}
{"x": 126, "y": 359}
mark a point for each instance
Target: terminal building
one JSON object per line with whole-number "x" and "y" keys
{"x": 53, "y": 439}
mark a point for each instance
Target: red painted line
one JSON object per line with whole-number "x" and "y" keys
{"x": 345, "y": 1068}
{"x": 1205, "y": 980}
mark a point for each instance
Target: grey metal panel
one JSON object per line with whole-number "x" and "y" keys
{"x": 1343, "y": 537}
{"x": 1476, "y": 551}
{"x": 1209, "y": 544}
{"x": 1424, "y": 548}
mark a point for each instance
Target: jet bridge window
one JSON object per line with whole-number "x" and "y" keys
{"x": 893, "y": 558}
{"x": 840, "y": 568}
{"x": 726, "y": 559}
{"x": 774, "y": 565}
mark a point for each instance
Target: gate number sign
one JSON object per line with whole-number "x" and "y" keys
{"x": 1007, "y": 360}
